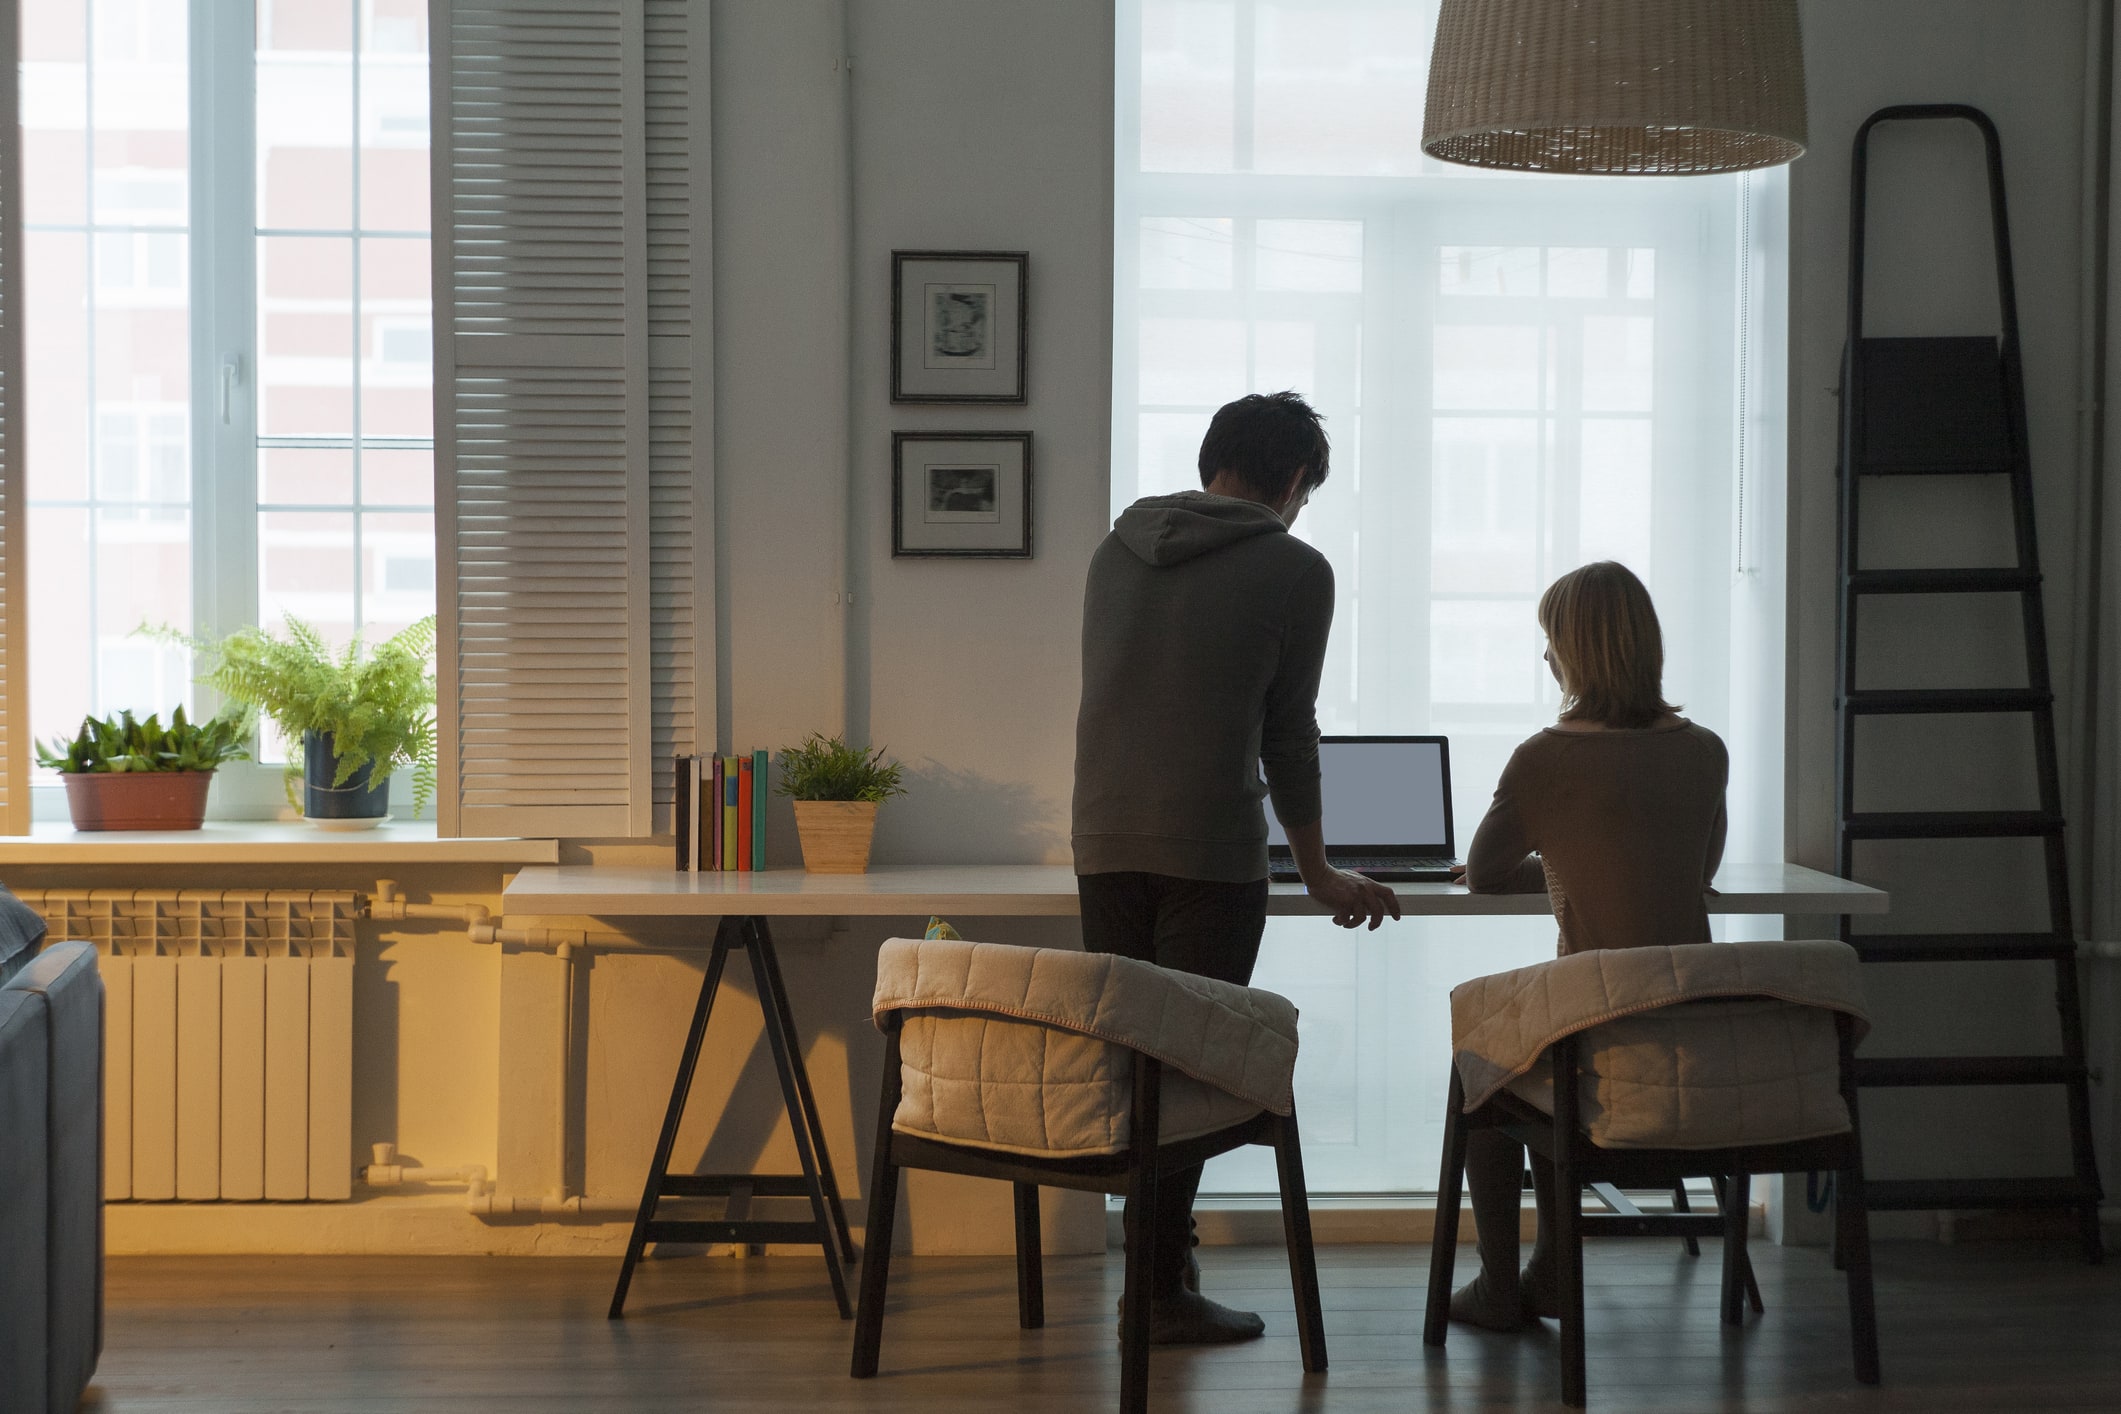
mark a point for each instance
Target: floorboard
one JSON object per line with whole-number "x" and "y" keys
{"x": 1978, "y": 1327}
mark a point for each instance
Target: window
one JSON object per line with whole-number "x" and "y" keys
{"x": 1519, "y": 374}
{"x": 229, "y": 337}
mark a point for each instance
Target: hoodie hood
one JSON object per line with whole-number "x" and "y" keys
{"x": 1169, "y": 530}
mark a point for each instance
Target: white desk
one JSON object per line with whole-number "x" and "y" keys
{"x": 1048, "y": 890}
{"x": 742, "y": 904}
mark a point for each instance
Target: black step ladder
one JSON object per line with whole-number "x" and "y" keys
{"x": 1956, "y": 407}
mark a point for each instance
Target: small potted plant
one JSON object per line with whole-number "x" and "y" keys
{"x": 124, "y": 774}
{"x": 351, "y": 718}
{"x": 836, "y": 789}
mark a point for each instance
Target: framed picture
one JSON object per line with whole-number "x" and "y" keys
{"x": 957, "y": 321}
{"x": 961, "y": 495}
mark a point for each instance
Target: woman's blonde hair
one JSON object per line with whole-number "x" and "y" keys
{"x": 1602, "y": 632}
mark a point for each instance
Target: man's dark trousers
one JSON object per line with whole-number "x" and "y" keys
{"x": 1189, "y": 925}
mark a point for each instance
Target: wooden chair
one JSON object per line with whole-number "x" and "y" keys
{"x": 1559, "y": 1138}
{"x": 1132, "y": 1173}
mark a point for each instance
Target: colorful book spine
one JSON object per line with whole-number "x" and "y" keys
{"x": 746, "y": 801}
{"x": 760, "y": 795}
{"x": 711, "y": 814}
{"x": 730, "y": 786}
{"x": 700, "y": 813}
{"x": 682, "y": 811}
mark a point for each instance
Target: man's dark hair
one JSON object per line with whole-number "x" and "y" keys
{"x": 1261, "y": 439}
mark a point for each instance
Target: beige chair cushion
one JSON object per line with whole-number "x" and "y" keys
{"x": 1031, "y": 1050}
{"x": 1708, "y": 1045}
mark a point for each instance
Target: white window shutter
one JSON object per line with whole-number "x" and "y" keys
{"x": 680, "y": 388}
{"x": 14, "y": 618}
{"x": 571, "y": 647}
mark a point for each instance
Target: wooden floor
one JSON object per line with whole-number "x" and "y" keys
{"x": 1978, "y": 1327}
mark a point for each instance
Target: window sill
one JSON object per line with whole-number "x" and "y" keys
{"x": 265, "y": 841}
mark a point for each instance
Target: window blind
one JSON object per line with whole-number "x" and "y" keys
{"x": 570, "y": 178}
{"x": 14, "y": 643}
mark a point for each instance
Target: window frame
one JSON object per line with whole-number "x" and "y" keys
{"x": 224, "y": 346}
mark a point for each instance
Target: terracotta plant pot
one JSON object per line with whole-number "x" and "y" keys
{"x": 137, "y": 800}
{"x": 836, "y": 834}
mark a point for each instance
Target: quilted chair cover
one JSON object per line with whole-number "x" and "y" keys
{"x": 1703, "y": 1046}
{"x": 1031, "y": 1050}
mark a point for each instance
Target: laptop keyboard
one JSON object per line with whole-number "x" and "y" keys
{"x": 1389, "y": 868}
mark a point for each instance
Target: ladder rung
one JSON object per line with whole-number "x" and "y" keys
{"x": 1967, "y": 1070}
{"x": 1962, "y": 947}
{"x": 1971, "y": 468}
{"x": 1947, "y": 699}
{"x": 1942, "y": 581}
{"x": 1948, "y": 824}
{"x": 1917, "y": 1194}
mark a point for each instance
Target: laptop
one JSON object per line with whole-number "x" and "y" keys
{"x": 1388, "y": 810}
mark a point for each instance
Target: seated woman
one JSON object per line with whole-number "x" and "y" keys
{"x": 1616, "y": 812}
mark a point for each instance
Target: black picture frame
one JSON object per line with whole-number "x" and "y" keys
{"x": 971, "y": 305}
{"x": 983, "y": 513}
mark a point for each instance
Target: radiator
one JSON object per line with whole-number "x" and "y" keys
{"x": 228, "y": 1038}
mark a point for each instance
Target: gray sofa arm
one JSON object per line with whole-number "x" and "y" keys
{"x": 62, "y": 987}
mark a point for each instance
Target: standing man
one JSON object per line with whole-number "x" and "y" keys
{"x": 1204, "y": 632}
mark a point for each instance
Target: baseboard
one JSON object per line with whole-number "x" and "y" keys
{"x": 398, "y": 1225}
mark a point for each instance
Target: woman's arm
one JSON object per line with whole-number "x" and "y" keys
{"x": 1715, "y": 855}
{"x": 1721, "y": 827}
{"x": 1500, "y": 859}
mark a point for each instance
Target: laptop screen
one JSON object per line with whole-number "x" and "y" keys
{"x": 1382, "y": 794}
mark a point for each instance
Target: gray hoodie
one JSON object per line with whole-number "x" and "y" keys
{"x": 1204, "y": 630}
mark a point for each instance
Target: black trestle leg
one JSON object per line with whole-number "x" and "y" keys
{"x": 1745, "y": 1267}
{"x": 826, "y": 1177}
{"x": 787, "y": 1064}
{"x": 1681, "y": 1205}
{"x": 652, "y": 1187}
{"x": 1030, "y": 1260}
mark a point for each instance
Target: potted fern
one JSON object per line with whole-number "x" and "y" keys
{"x": 125, "y": 774}
{"x": 352, "y": 718}
{"x": 836, "y": 789}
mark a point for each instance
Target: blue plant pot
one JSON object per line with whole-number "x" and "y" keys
{"x": 358, "y": 799}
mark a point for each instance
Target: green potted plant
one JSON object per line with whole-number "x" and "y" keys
{"x": 836, "y": 789}
{"x": 125, "y": 774}
{"x": 352, "y": 718}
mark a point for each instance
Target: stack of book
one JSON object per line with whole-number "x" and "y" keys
{"x": 721, "y": 812}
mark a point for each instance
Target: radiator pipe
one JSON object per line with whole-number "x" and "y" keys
{"x": 475, "y": 918}
{"x": 386, "y": 1172}
{"x": 503, "y": 1205}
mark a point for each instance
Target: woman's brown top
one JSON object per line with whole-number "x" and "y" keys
{"x": 1622, "y": 829}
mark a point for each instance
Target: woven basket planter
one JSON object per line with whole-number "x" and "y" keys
{"x": 836, "y": 834}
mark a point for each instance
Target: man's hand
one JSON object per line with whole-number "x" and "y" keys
{"x": 1353, "y": 898}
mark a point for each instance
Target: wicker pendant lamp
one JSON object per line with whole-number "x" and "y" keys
{"x": 1642, "y": 87}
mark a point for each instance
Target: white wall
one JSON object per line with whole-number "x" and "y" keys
{"x": 968, "y": 670}
{"x": 1930, "y": 273}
